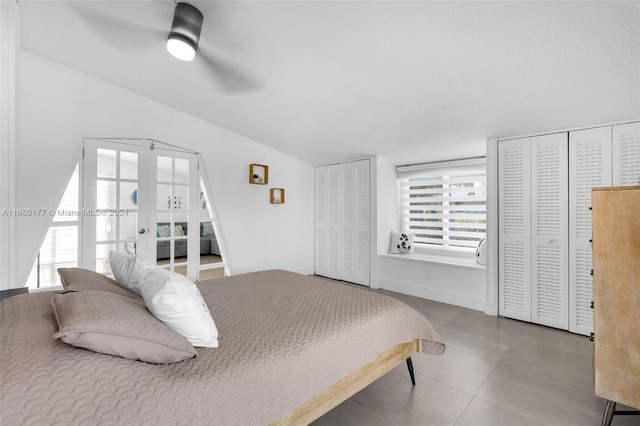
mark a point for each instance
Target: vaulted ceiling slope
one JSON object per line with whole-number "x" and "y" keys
{"x": 327, "y": 81}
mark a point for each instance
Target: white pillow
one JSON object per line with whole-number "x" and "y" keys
{"x": 127, "y": 270}
{"x": 176, "y": 301}
{"x": 401, "y": 243}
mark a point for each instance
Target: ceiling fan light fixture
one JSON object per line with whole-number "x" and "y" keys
{"x": 181, "y": 49}
{"x": 185, "y": 32}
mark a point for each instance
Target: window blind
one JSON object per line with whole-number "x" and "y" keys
{"x": 444, "y": 204}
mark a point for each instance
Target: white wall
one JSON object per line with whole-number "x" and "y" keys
{"x": 386, "y": 211}
{"x": 453, "y": 284}
{"x": 60, "y": 106}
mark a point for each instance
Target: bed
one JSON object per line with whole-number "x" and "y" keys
{"x": 291, "y": 347}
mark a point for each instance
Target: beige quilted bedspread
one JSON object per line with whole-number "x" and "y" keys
{"x": 284, "y": 338}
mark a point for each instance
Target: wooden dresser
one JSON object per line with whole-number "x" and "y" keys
{"x": 616, "y": 294}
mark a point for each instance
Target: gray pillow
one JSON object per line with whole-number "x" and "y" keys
{"x": 116, "y": 325}
{"x": 78, "y": 279}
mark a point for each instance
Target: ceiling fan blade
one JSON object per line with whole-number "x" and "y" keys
{"x": 228, "y": 76}
{"x": 117, "y": 31}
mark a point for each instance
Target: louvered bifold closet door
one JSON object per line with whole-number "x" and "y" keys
{"x": 361, "y": 226}
{"x": 342, "y": 221}
{"x": 550, "y": 227}
{"x": 322, "y": 221}
{"x": 354, "y": 220}
{"x": 334, "y": 217}
{"x": 626, "y": 154}
{"x": 328, "y": 233}
{"x": 514, "y": 229}
{"x": 589, "y": 167}
{"x": 348, "y": 220}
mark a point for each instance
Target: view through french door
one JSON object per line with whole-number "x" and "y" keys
{"x": 147, "y": 200}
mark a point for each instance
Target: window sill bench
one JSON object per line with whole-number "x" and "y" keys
{"x": 469, "y": 263}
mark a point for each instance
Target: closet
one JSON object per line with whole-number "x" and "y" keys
{"x": 342, "y": 221}
{"x": 533, "y": 224}
{"x": 545, "y": 266}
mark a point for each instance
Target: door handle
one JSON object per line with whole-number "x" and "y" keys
{"x": 141, "y": 231}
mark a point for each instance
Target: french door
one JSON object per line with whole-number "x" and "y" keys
{"x": 174, "y": 210}
{"x": 140, "y": 200}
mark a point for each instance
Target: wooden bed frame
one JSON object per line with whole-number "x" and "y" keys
{"x": 350, "y": 385}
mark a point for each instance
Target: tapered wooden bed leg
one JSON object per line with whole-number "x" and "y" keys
{"x": 410, "y": 367}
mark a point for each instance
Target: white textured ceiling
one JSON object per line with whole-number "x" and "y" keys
{"x": 409, "y": 81}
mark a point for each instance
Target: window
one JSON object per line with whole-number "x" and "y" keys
{"x": 60, "y": 246}
{"x": 444, "y": 204}
{"x": 212, "y": 265}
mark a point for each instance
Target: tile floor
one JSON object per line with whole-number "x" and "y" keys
{"x": 495, "y": 371}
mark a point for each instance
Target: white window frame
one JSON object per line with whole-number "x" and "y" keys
{"x": 442, "y": 170}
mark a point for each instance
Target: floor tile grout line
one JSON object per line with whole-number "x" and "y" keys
{"x": 493, "y": 369}
{"x": 506, "y": 408}
{"x": 474, "y": 395}
{"x": 464, "y": 411}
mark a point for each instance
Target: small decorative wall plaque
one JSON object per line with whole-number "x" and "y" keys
{"x": 259, "y": 174}
{"x": 277, "y": 195}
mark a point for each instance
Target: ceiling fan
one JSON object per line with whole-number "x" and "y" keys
{"x": 182, "y": 41}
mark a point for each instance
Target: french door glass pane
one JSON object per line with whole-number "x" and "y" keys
{"x": 164, "y": 197}
{"x": 106, "y": 163}
{"x": 128, "y": 226}
{"x": 105, "y": 227}
{"x": 180, "y": 250}
{"x": 128, "y": 195}
{"x": 180, "y": 224}
{"x": 165, "y": 170}
{"x": 102, "y": 257}
{"x": 180, "y": 197}
{"x": 129, "y": 165}
{"x": 163, "y": 218}
{"x": 105, "y": 194}
{"x": 182, "y": 171}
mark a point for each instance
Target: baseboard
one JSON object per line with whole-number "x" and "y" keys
{"x": 437, "y": 295}
{"x": 488, "y": 309}
{"x": 303, "y": 271}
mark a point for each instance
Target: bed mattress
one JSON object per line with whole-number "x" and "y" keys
{"x": 284, "y": 338}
